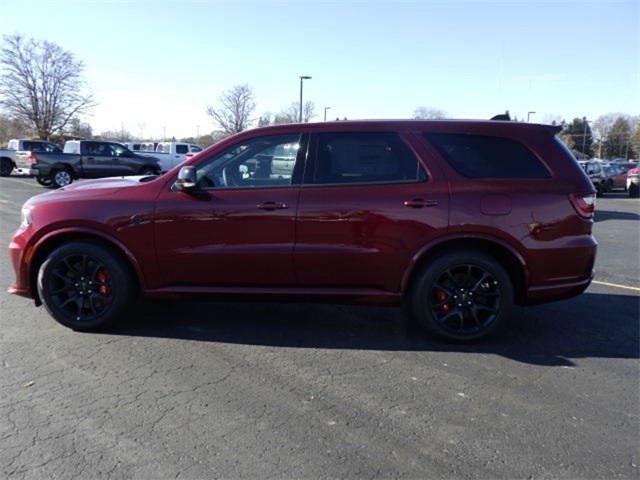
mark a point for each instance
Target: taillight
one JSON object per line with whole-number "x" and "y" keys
{"x": 31, "y": 159}
{"x": 584, "y": 204}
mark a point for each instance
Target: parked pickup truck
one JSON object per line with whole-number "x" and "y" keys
{"x": 171, "y": 154}
{"x": 87, "y": 159}
{"x": 8, "y": 155}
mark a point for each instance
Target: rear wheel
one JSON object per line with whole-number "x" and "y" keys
{"x": 44, "y": 181}
{"x": 6, "y": 167}
{"x": 85, "y": 286}
{"x": 462, "y": 296}
{"x": 61, "y": 178}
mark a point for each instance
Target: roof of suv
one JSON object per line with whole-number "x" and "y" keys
{"x": 442, "y": 125}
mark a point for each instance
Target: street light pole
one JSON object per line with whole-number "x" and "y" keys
{"x": 325, "y": 113}
{"x": 529, "y": 115}
{"x": 302, "y": 78}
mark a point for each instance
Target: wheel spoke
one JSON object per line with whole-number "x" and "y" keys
{"x": 68, "y": 301}
{"x": 83, "y": 268}
{"x": 63, "y": 277}
{"x": 91, "y": 305}
{"x": 444, "y": 289}
{"x": 485, "y": 275}
{"x": 65, "y": 288}
{"x": 474, "y": 315}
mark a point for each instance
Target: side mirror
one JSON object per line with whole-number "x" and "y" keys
{"x": 187, "y": 180}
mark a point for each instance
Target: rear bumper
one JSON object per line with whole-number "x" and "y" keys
{"x": 551, "y": 293}
{"x": 560, "y": 273}
{"x": 25, "y": 171}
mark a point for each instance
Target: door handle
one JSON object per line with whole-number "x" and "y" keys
{"x": 272, "y": 206}
{"x": 420, "y": 203}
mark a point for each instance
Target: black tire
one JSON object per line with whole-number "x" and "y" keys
{"x": 85, "y": 286}
{"x": 634, "y": 191}
{"x": 471, "y": 301}
{"x": 61, "y": 177}
{"x": 44, "y": 181}
{"x": 6, "y": 167}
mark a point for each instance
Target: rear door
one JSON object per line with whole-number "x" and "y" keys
{"x": 367, "y": 206}
{"x": 97, "y": 159}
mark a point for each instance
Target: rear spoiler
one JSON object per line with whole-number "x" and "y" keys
{"x": 552, "y": 129}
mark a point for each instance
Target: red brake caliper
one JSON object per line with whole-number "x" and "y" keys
{"x": 441, "y": 297}
{"x": 103, "y": 277}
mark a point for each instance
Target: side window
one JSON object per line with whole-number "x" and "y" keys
{"x": 182, "y": 149}
{"x": 117, "y": 150}
{"x": 258, "y": 162}
{"x": 32, "y": 146}
{"x": 195, "y": 148}
{"x": 482, "y": 156}
{"x": 346, "y": 157}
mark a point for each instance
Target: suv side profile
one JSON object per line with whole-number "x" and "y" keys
{"x": 456, "y": 221}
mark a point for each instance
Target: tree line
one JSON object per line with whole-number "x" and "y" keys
{"x": 43, "y": 94}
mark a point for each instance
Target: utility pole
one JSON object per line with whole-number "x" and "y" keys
{"x": 197, "y": 132}
{"x": 302, "y": 78}
{"x": 325, "y": 113}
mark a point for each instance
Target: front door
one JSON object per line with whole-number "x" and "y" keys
{"x": 367, "y": 206}
{"x": 238, "y": 229}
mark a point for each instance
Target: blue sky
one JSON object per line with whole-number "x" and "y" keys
{"x": 156, "y": 65}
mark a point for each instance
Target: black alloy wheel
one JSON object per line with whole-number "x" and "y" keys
{"x": 461, "y": 295}
{"x": 465, "y": 299}
{"x": 85, "y": 285}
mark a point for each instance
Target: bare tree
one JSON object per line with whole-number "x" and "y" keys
{"x": 428, "y": 113}
{"x": 41, "y": 84}
{"x": 236, "y": 105}
{"x": 292, "y": 114}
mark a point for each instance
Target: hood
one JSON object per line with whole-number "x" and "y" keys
{"x": 90, "y": 188}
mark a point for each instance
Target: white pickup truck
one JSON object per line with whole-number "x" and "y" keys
{"x": 171, "y": 154}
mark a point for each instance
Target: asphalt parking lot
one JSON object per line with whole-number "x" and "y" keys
{"x": 201, "y": 389}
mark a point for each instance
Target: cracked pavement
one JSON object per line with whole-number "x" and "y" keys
{"x": 239, "y": 390}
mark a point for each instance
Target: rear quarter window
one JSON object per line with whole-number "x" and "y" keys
{"x": 483, "y": 156}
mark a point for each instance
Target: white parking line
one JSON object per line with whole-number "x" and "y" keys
{"x": 616, "y": 285}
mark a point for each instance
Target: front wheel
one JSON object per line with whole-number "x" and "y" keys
{"x": 85, "y": 286}
{"x": 462, "y": 296}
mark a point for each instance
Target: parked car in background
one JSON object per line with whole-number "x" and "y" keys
{"x": 8, "y": 155}
{"x": 455, "y": 220}
{"x": 595, "y": 172}
{"x": 140, "y": 146}
{"x": 616, "y": 175}
{"x": 633, "y": 182}
{"x": 89, "y": 159}
{"x": 171, "y": 154}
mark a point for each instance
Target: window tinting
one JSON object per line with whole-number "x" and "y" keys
{"x": 182, "y": 149}
{"x": 480, "y": 156}
{"x": 347, "y": 157}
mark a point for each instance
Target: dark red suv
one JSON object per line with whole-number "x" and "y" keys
{"x": 455, "y": 220}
